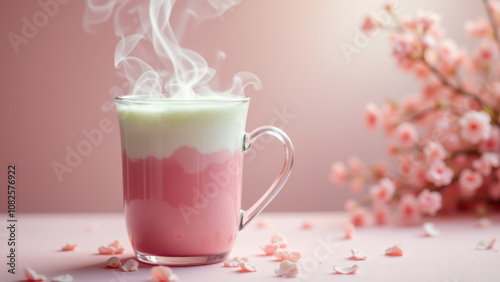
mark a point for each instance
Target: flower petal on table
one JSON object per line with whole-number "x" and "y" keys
{"x": 287, "y": 269}
{"x": 113, "y": 262}
{"x": 486, "y": 245}
{"x": 430, "y": 229}
{"x": 62, "y": 278}
{"x": 396, "y": 250}
{"x": 357, "y": 255}
{"x": 31, "y": 275}
{"x": 345, "y": 269}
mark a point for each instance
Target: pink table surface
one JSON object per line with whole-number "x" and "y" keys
{"x": 451, "y": 256}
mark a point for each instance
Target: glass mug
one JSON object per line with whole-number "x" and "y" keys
{"x": 182, "y": 176}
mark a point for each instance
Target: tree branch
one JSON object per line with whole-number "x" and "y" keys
{"x": 493, "y": 22}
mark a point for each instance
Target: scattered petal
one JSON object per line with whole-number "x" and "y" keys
{"x": 280, "y": 239}
{"x": 282, "y": 255}
{"x": 430, "y": 229}
{"x": 105, "y": 250}
{"x": 69, "y": 247}
{"x": 245, "y": 266}
{"x": 307, "y": 225}
{"x": 31, "y": 275}
{"x": 287, "y": 269}
{"x": 62, "y": 278}
{"x": 269, "y": 249}
{"x": 113, "y": 262}
{"x": 396, "y": 250}
{"x": 345, "y": 269}
{"x": 130, "y": 265}
{"x": 485, "y": 245}
{"x": 357, "y": 255}
{"x": 263, "y": 223}
{"x": 115, "y": 244}
{"x": 349, "y": 230}
{"x": 484, "y": 222}
{"x": 163, "y": 273}
{"x": 235, "y": 262}
{"x": 113, "y": 248}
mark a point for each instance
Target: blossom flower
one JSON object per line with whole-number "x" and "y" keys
{"x": 338, "y": 174}
{"x": 406, "y": 135}
{"x": 359, "y": 216}
{"x": 439, "y": 174}
{"x": 427, "y": 19}
{"x": 403, "y": 49}
{"x": 389, "y": 118}
{"x": 485, "y": 54}
{"x": 411, "y": 104}
{"x": 421, "y": 70}
{"x": 487, "y": 161}
{"x": 417, "y": 175}
{"x": 494, "y": 7}
{"x": 479, "y": 28}
{"x": 392, "y": 149}
{"x": 409, "y": 209}
{"x": 357, "y": 185}
{"x": 475, "y": 126}
{"x": 469, "y": 182}
{"x": 381, "y": 213}
{"x": 379, "y": 170}
{"x": 383, "y": 191}
{"x": 350, "y": 205}
{"x": 356, "y": 166}
{"x": 494, "y": 191}
{"x": 391, "y": 7}
{"x": 370, "y": 24}
{"x": 432, "y": 91}
{"x": 372, "y": 116}
{"x": 429, "y": 202}
{"x": 452, "y": 142}
{"x": 409, "y": 23}
{"x": 449, "y": 56}
{"x": 491, "y": 144}
{"x": 434, "y": 150}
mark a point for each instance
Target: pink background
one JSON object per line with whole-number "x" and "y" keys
{"x": 55, "y": 86}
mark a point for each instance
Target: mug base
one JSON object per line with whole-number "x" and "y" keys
{"x": 181, "y": 261}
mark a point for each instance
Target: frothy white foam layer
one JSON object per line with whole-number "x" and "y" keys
{"x": 159, "y": 129}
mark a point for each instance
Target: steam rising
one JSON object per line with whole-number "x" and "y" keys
{"x": 149, "y": 55}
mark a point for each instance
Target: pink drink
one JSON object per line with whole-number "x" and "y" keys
{"x": 182, "y": 172}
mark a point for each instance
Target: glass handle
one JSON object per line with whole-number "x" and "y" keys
{"x": 248, "y": 215}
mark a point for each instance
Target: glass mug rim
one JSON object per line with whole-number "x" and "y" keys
{"x": 145, "y": 100}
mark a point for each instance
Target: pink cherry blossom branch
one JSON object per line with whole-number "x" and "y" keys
{"x": 460, "y": 90}
{"x": 446, "y": 83}
{"x": 423, "y": 113}
{"x": 493, "y": 22}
